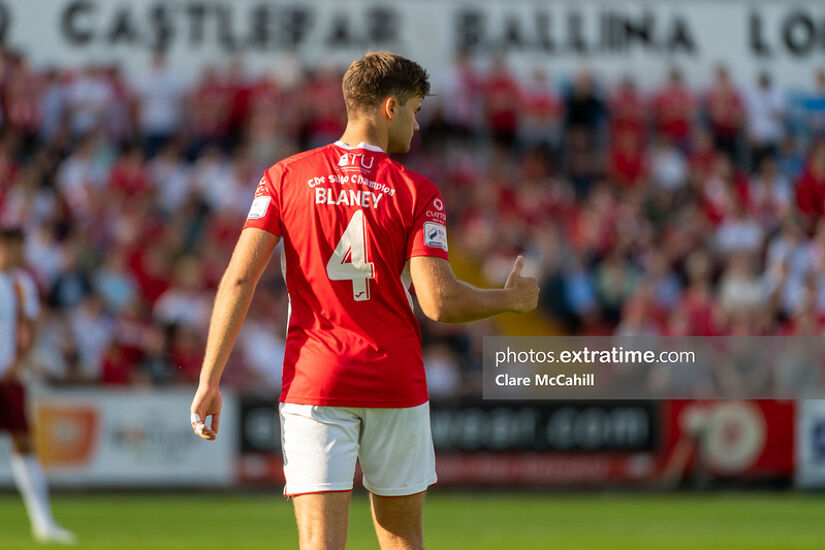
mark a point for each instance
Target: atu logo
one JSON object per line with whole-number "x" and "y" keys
{"x": 356, "y": 162}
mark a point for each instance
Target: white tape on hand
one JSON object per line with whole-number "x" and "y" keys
{"x": 194, "y": 417}
{"x": 199, "y": 428}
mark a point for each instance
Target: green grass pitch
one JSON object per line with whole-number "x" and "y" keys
{"x": 453, "y": 521}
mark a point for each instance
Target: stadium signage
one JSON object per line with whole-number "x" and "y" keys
{"x": 483, "y": 426}
{"x": 730, "y": 439}
{"x": 810, "y": 448}
{"x": 259, "y": 426}
{"x": 93, "y": 438}
{"x": 545, "y": 426}
{"x": 636, "y": 36}
{"x": 614, "y": 32}
{"x": 480, "y": 442}
{"x": 797, "y": 33}
{"x": 262, "y": 25}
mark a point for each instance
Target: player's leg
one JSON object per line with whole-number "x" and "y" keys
{"x": 398, "y": 462}
{"x": 30, "y": 481}
{"x": 26, "y": 469}
{"x": 398, "y": 521}
{"x": 320, "y": 447}
{"x": 322, "y": 520}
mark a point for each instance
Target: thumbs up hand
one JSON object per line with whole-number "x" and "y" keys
{"x": 524, "y": 290}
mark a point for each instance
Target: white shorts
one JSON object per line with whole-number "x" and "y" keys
{"x": 321, "y": 445}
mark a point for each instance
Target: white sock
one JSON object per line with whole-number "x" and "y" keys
{"x": 31, "y": 482}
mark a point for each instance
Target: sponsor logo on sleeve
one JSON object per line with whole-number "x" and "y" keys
{"x": 435, "y": 235}
{"x": 436, "y": 212}
{"x": 261, "y": 189}
{"x": 259, "y": 208}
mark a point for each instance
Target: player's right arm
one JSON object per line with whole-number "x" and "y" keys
{"x": 444, "y": 298}
{"x": 249, "y": 259}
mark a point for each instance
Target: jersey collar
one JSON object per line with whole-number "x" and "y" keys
{"x": 362, "y": 145}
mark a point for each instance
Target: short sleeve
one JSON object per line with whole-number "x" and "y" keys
{"x": 265, "y": 212}
{"x": 429, "y": 231}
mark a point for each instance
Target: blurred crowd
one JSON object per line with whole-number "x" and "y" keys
{"x": 673, "y": 209}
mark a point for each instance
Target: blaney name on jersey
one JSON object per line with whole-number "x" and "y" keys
{"x": 348, "y": 197}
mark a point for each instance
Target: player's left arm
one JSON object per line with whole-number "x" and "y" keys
{"x": 28, "y": 311}
{"x": 30, "y": 314}
{"x": 24, "y": 344}
{"x": 249, "y": 259}
{"x": 444, "y": 298}
{"x": 26, "y": 334}
{"x": 441, "y": 296}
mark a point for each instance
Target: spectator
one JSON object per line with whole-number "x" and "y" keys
{"x": 171, "y": 178}
{"x": 443, "y": 372}
{"x": 51, "y": 105}
{"x": 667, "y": 164}
{"x": 628, "y": 109}
{"x": 461, "y": 99}
{"x": 117, "y": 123}
{"x": 701, "y": 316}
{"x": 72, "y": 284}
{"x": 813, "y": 108}
{"x": 92, "y": 331}
{"x": 209, "y": 112}
{"x": 129, "y": 176}
{"x": 22, "y": 108}
{"x": 626, "y": 165}
{"x": 540, "y": 123}
{"x": 766, "y": 119}
{"x": 637, "y": 319}
{"x": 791, "y": 161}
{"x": 114, "y": 283}
{"x": 159, "y": 93}
{"x": 726, "y": 112}
{"x": 186, "y": 353}
{"x": 739, "y": 232}
{"x": 637, "y": 229}
{"x": 117, "y": 369}
{"x": 584, "y": 106}
{"x": 81, "y": 177}
{"x": 156, "y": 367}
{"x": 211, "y": 172}
{"x": 810, "y": 187}
{"x": 770, "y": 194}
{"x": 184, "y": 303}
{"x": 90, "y": 100}
{"x": 616, "y": 281}
{"x": 740, "y": 291}
{"x": 502, "y": 103}
{"x": 323, "y": 108}
{"x": 675, "y": 109}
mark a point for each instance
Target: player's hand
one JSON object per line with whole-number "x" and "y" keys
{"x": 525, "y": 290}
{"x": 207, "y": 402}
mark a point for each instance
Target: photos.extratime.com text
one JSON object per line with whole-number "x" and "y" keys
{"x": 612, "y": 356}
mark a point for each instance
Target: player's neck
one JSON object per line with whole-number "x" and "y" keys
{"x": 363, "y": 131}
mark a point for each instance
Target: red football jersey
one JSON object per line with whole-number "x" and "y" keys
{"x": 350, "y": 219}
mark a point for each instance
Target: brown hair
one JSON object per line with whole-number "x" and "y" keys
{"x": 378, "y": 75}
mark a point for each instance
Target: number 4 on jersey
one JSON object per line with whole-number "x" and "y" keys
{"x": 349, "y": 259}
